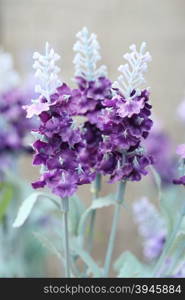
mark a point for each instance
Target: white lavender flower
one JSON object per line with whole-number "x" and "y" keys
{"x": 147, "y": 217}
{"x": 46, "y": 72}
{"x": 132, "y": 72}
{"x": 181, "y": 110}
{"x": 87, "y": 56}
{"x": 151, "y": 227}
{"x": 9, "y": 78}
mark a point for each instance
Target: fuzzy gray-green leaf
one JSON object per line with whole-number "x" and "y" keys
{"x": 96, "y": 204}
{"x": 127, "y": 266}
{"x": 27, "y": 206}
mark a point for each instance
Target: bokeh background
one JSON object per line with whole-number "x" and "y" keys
{"x": 25, "y": 26}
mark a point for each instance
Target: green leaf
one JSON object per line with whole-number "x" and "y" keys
{"x": 177, "y": 253}
{"x": 6, "y": 195}
{"x": 76, "y": 209}
{"x": 27, "y": 206}
{"x": 47, "y": 244}
{"x": 127, "y": 266}
{"x": 157, "y": 180}
{"x": 171, "y": 206}
{"x": 96, "y": 204}
{"x": 179, "y": 243}
{"x": 21, "y": 187}
{"x": 75, "y": 245}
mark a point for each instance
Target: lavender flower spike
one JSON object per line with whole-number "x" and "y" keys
{"x": 181, "y": 152}
{"x": 87, "y": 56}
{"x": 132, "y": 72}
{"x": 46, "y": 72}
{"x": 151, "y": 227}
{"x": 9, "y": 78}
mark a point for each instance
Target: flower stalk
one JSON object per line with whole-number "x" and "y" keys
{"x": 116, "y": 217}
{"x": 168, "y": 245}
{"x": 95, "y": 190}
{"x": 65, "y": 209}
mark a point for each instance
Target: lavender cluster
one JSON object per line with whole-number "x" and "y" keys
{"x": 153, "y": 230}
{"x": 181, "y": 169}
{"x": 14, "y": 126}
{"x": 96, "y": 128}
{"x": 160, "y": 147}
{"x": 151, "y": 227}
{"x": 13, "y": 122}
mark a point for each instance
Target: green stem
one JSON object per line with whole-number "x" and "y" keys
{"x": 176, "y": 259}
{"x": 167, "y": 247}
{"x": 65, "y": 208}
{"x": 5, "y": 224}
{"x": 96, "y": 188}
{"x": 116, "y": 217}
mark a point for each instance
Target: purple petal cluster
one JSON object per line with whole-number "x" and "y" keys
{"x": 120, "y": 153}
{"x": 154, "y": 246}
{"x": 13, "y": 122}
{"x": 84, "y": 133}
{"x": 159, "y": 146}
{"x": 60, "y": 149}
{"x": 180, "y": 180}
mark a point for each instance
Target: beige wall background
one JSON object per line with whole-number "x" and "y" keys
{"x": 26, "y": 25}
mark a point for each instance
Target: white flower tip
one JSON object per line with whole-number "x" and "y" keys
{"x": 102, "y": 71}
{"x": 149, "y": 56}
{"x": 115, "y": 85}
{"x": 132, "y": 47}
{"x": 143, "y": 47}
{"x": 46, "y": 71}
{"x": 126, "y": 56}
{"x": 36, "y": 55}
{"x": 132, "y": 72}
{"x": 87, "y": 56}
{"x": 121, "y": 68}
{"x": 9, "y": 78}
{"x": 85, "y": 31}
{"x": 38, "y": 88}
{"x": 47, "y": 47}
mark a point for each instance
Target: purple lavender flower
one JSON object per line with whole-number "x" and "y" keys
{"x": 180, "y": 180}
{"x": 36, "y": 109}
{"x": 151, "y": 227}
{"x": 59, "y": 153}
{"x": 123, "y": 119}
{"x": 14, "y": 127}
{"x": 159, "y": 146}
{"x": 154, "y": 245}
{"x": 119, "y": 151}
{"x": 130, "y": 107}
{"x": 106, "y": 142}
{"x": 61, "y": 141}
{"x": 181, "y": 152}
{"x": 13, "y": 122}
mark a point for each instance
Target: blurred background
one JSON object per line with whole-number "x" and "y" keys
{"x": 25, "y": 26}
